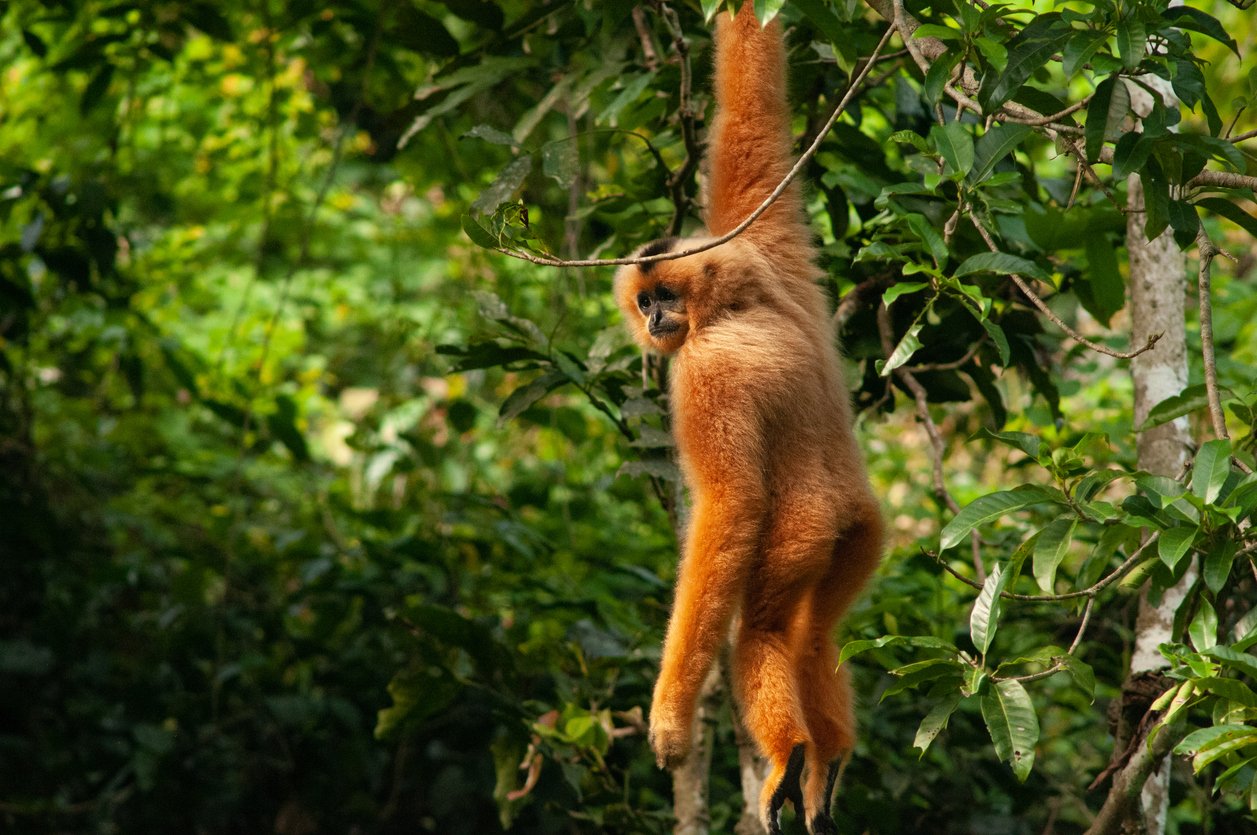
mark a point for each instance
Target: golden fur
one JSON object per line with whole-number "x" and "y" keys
{"x": 784, "y": 526}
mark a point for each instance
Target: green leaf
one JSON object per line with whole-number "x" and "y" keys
{"x": 824, "y": 18}
{"x": 1051, "y": 548}
{"x": 1024, "y": 441}
{"x": 937, "y": 76}
{"x": 984, "y": 618}
{"x": 993, "y": 146}
{"x": 479, "y": 235}
{"x": 710, "y": 8}
{"x": 1211, "y": 469}
{"x": 1104, "y": 279}
{"x": 955, "y": 145}
{"x": 1240, "y": 662}
{"x": 1082, "y": 45}
{"x": 1225, "y": 208}
{"x": 1187, "y": 401}
{"x": 504, "y": 187}
{"x": 854, "y": 648}
{"x": 1013, "y": 725}
{"x": 1132, "y": 40}
{"x": 903, "y": 352}
{"x": 925, "y": 230}
{"x": 1175, "y": 543}
{"x": 1027, "y": 52}
{"x": 989, "y": 508}
{"x": 1184, "y": 222}
{"x": 1000, "y": 262}
{"x": 525, "y": 396}
{"x": 1203, "y": 630}
{"x": 902, "y": 288}
{"x": 1109, "y": 106}
{"x": 766, "y": 10}
{"x": 1130, "y": 153}
{"x": 1186, "y": 17}
{"x": 1218, "y": 563}
{"x": 1082, "y": 674}
{"x": 935, "y": 721}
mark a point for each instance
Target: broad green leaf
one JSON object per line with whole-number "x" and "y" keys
{"x": 1228, "y": 688}
{"x": 984, "y": 618}
{"x": 710, "y": 8}
{"x": 911, "y": 137}
{"x": 1000, "y": 262}
{"x": 1218, "y": 563}
{"x": 1131, "y": 153}
{"x": 1132, "y": 40}
{"x": 1225, "y": 208}
{"x": 903, "y": 352}
{"x": 989, "y": 508}
{"x": 1184, "y": 222}
{"x": 1203, "y": 630}
{"x": 1109, "y": 106}
{"x": 1211, "y": 468}
{"x": 1024, "y": 441}
{"x": 1013, "y": 725}
{"x": 1186, "y": 17}
{"x": 903, "y": 288}
{"x": 1240, "y": 662}
{"x": 925, "y": 230}
{"x": 766, "y": 10}
{"x": 935, "y": 721}
{"x": 527, "y": 395}
{"x": 1104, "y": 279}
{"x": 1189, "y": 400}
{"x": 993, "y": 146}
{"x": 1082, "y": 45}
{"x": 1027, "y": 52}
{"x": 1174, "y": 544}
{"x": 504, "y": 187}
{"x": 824, "y": 18}
{"x": 1051, "y": 548}
{"x": 1082, "y": 674}
{"x": 478, "y": 234}
{"x": 937, "y": 76}
{"x": 955, "y": 145}
{"x": 1205, "y": 738}
{"x": 854, "y": 648}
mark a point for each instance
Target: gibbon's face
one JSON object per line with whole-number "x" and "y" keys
{"x": 653, "y": 297}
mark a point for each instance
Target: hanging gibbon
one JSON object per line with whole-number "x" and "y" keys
{"x": 784, "y": 528}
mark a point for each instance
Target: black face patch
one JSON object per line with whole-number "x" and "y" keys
{"x": 658, "y": 247}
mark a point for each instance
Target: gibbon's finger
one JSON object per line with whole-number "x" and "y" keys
{"x": 787, "y": 789}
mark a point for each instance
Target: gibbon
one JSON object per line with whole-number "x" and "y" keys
{"x": 784, "y": 528}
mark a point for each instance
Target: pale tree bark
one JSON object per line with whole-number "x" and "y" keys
{"x": 1138, "y": 800}
{"x": 690, "y": 781}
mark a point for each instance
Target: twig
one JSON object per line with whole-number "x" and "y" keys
{"x": 1245, "y": 135}
{"x": 1050, "y": 314}
{"x": 1059, "y": 664}
{"x": 931, "y": 429}
{"x": 803, "y": 160}
{"x": 649, "y": 56}
{"x": 1209, "y": 251}
{"x": 949, "y": 366}
{"x": 689, "y": 131}
{"x": 1091, "y": 591}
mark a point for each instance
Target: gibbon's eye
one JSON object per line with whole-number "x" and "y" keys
{"x": 664, "y": 294}
{"x": 643, "y": 301}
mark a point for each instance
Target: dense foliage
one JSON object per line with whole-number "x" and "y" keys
{"x": 318, "y": 515}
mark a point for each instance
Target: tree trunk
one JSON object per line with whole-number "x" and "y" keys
{"x": 1157, "y": 292}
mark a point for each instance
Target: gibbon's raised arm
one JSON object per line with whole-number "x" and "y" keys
{"x": 750, "y": 141}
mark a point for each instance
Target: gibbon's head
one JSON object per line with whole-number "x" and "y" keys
{"x": 664, "y": 301}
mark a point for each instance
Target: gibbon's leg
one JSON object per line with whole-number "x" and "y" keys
{"x": 796, "y": 552}
{"x": 723, "y": 532}
{"x": 824, "y": 688}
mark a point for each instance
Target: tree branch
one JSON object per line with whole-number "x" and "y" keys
{"x": 803, "y": 160}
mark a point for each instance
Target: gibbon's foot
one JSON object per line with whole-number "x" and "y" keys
{"x": 670, "y": 742}
{"x": 787, "y": 789}
{"x": 822, "y": 823}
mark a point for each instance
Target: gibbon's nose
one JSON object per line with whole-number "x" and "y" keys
{"x": 656, "y": 319}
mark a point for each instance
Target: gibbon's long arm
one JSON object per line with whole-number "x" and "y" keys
{"x": 750, "y": 142}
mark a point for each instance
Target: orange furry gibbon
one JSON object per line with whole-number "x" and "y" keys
{"x": 784, "y": 529}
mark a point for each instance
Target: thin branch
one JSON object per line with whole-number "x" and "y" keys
{"x": 1058, "y": 665}
{"x": 794, "y": 172}
{"x": 931, "y": 429}
{"x": 1245, "y": 135}
{"x": 1091, "y": 591}
{"x": 1044, "y": 121}
{"x": 1209, "y": 251}
{"x": 949, "y": 366}
{"x": 689, "y": 130}
{"x": 649, "y": 56}
{"x": 1050, "y": 314}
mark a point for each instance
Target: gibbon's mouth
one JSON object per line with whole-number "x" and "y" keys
{"x": 663, "y": 329}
